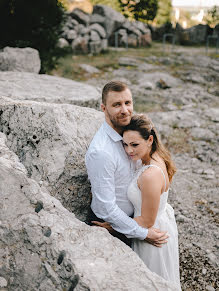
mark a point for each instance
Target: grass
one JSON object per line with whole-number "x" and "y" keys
{"x": 68, "y": 66}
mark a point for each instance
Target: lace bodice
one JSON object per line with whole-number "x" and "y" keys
{"x": 134, "y": 193}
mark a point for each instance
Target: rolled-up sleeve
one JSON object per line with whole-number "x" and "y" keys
{"x": 101, "y": 169}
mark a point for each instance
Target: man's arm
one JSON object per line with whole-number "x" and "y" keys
{"x": 101, "y": 169}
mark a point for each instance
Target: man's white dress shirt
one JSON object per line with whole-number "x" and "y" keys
{"x": 110, "y": 172}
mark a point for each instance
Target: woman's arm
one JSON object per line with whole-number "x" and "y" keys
{"x": 150, "y": 183}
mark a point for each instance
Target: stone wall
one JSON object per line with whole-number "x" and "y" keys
{"x": 92, "y": 33}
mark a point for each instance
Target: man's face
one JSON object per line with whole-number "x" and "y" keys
{"x": 118, "y": 109}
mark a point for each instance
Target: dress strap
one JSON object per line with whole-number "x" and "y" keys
{"x": 152, "y": 165}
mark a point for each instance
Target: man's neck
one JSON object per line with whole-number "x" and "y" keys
{"x": 117, "y": 129}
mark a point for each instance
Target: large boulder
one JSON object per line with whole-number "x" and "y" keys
{"x": 44, "y": 247}
{"x": 29, "y": 86}
{"x": 80, "y": 16}
{"x": 113, "y": 19}
{"x": 20, "y": 60}
{"x": 51, "y": 141}
{"x": 158, "y": 79}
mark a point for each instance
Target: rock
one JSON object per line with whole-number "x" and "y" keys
{"x": 131, "y": 28}
{"x": 20, "y": 60}
{"x": 89, "y": 69}
{"x": 148, "y": 67}
{"x": 51, "y": 141}
{"x": 80, "y": 44}
{"x": 112, "y": 19}
{"x": 99, "y": 29}
{"x": 212, "y": 114}
{"x": 145, "y": 39}
{"x": 209, "y": 173}
{"x": 71, "y": 256}
{"x": 3, "y": 282}
{"x": 210, "y": 288}
{"x": 71, "y": 35}
{"x": 162, "y": 84}
{"x": 182, "y": 218}
{"x": 96, "y": 46}
{"x": 62, "y": 43}
{"x": 155, "y": 77}
{"x": 45, "y": 88}
{"x": 80, "y": 16}
{"x": 133, "y": 40}
{"x": 96, "y": 18}
{"x": 177, "y": 119}
{"x": 202, "y": 133}
{"x": 94, "y": 36}
{"x": 83, "y": 30}
{"x": 70, "y": 22}
{"x": 141, "y": 26}
{"x": 127, "y": 61}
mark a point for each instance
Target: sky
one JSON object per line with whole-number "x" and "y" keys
{"x": 202, "y": 3}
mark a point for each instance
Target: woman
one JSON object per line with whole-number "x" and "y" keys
{"x": 148, "y": 192}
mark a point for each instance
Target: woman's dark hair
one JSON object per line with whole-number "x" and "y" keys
{"x": 143, "y": 124}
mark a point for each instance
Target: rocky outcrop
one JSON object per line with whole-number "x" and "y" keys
{"x": 20, "y": 60}
{"x": 44, "y": 247}
{"x": 92, "y": 33}
{"x": 51, "y": 141}
{"x": 45, "y": 88}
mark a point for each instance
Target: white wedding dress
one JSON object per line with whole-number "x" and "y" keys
{"x": 163, "y": 261}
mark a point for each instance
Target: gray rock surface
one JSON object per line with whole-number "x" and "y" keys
{"x": 187, "y": 117}
{"x": 45, "y": 88}
{"x": 80, "y": 16}
{"x": 44, "y": 247}
{"x": 51, "y": 141}
{"x": 113, "y": 19}
{"x": 89, "y": 69}
{"x": 62, "y": 43}
{"x": 20, "y": 60}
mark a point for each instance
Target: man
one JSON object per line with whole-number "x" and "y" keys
{"x": 110, "y": 170}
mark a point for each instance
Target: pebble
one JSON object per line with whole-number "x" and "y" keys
{"x": 212, "y": 258}
{"x": 3, "y": 282}
{"x": 209, "y": 288}
{"x": 182, "y": 218}
{"x": 204, "y": 271}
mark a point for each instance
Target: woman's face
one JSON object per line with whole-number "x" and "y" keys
{"x": 136, "y": 146}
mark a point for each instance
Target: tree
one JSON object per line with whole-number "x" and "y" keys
{"x": 164, "y": 12}
{"x": 142, "y": 10}
{"x": 212, "y": 17}
{"x": 33, "y": 23}
{"x": 112, "y": 3}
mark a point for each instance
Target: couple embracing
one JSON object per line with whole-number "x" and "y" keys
{"x": 130, "y": 172}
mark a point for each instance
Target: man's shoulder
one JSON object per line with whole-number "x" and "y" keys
{"x": 100, "y": 142}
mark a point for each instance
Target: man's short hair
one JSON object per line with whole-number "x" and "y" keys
{"x": 115, "y": 86}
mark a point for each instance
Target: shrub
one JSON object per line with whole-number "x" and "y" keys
{"x": 32, "y": 23}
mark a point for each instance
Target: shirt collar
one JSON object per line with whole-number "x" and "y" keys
{"x": 111, "y": 132}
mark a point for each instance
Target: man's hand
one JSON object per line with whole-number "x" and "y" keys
{"x": 156, "y": 237}
{"x": 105, "y": 225}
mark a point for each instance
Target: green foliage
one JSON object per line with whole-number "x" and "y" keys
{"x": 112, "y": 3}
{"x": 142, "y": 10}
{"x": 32, "y": 23}
{"x": 164, "y": 12}
{"x": 212, "y": 17}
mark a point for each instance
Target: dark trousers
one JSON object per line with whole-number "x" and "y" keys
{"x": 122, "y": 237}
